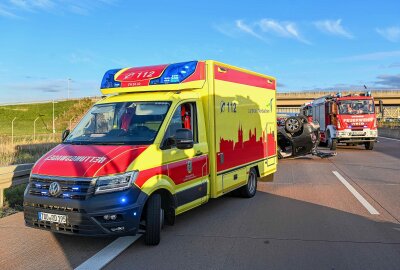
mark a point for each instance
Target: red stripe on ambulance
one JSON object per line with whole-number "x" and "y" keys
{"x": 236, "y": 76}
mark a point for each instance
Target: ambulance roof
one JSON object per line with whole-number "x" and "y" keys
{"x": 177, "y": 76}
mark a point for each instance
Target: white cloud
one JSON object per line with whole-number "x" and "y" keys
{"x": 4, "y": 12}
{"x": 32, "y": 4}
{"x": 390, "y": 33}
{"x": 247, "y": 29}
{"x": 282, "y": 29}
{"x": 15, "y": 8}
{"x": 261, "y": 28}
{"x": 333, "y": 28}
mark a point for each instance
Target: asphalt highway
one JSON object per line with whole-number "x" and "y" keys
{"x": 337, "y": 213}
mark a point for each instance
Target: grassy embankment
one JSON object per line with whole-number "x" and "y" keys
{"x": 25, "y": 149}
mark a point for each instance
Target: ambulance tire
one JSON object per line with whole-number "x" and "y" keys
{"x": 369, "y": 145}
{"x": 154, "y": 220}
{"x": 250, "y": 189}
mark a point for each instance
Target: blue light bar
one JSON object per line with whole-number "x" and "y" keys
{"x": 176, "y": 73}
{"x": 66, "y": 195}
{"x": 108, "y": 79}
{"x": 75, "y": 188}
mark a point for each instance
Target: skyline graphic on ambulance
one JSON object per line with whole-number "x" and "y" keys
{"x": 240, "y": 152}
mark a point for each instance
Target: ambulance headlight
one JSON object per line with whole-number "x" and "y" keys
{"x": 115, "y": 182}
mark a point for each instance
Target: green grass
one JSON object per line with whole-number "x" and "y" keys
{"x": 14, "y": 200}
{"x": 26, "y": 149}
{"x": 26, "y": 114}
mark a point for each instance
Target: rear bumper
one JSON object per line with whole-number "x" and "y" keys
{"x": 85, "y": 217}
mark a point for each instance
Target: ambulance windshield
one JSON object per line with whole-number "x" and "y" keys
{"x": 133, "y": 123}
{"x": 365, "y": 106}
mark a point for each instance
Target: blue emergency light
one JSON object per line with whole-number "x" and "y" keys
{"x": 176, "y": 73}
{"x": 108, "y": 79}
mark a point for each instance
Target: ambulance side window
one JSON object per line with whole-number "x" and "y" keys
{"x": 185, "y": 116}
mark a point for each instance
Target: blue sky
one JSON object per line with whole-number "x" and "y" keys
{"x": 306, "y": 45}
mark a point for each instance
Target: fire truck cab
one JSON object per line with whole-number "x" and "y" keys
{"x": 346, "y": 119}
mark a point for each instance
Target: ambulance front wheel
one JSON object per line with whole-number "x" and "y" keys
{"x": 154, "y": 220}
{"x": 250, "y": 189}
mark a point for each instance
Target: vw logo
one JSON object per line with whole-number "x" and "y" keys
{"x": 54, "y": 189}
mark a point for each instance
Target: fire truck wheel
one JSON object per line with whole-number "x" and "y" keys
{"x": 250, "y": 189}
{"x": 293, "y": 124}
{"x": 154, "y": 220}
{"x": 369, "y": 145}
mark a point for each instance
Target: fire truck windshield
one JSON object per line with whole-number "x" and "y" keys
{"x": 134, "y": 123}
{"x": 365, "y": 106}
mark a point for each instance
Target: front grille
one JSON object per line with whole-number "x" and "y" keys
{"x": 58, "y": 227}
{"x": 55, "y": 207}
{"x": 71, "y": 188}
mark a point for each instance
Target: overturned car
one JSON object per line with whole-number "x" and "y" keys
{"x": 299, "y": 137}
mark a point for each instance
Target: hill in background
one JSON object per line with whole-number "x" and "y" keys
{"x": 64, "y": 111}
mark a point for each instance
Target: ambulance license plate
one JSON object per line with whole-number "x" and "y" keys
{"x": 53, "y": 218}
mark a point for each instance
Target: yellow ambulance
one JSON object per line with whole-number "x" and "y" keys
{"x": 164, "y": 140}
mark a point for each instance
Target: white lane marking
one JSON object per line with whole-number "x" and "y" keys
{"x": 392, "y": 139}
{"x": 358, "y": 196}
{"x": 107, "y": 254}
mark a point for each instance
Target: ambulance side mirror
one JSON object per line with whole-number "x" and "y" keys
{"x": 184, "y": 138}
{"x": 65, "y": 134}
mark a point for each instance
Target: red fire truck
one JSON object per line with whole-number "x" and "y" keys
{"x": 346, "y": 119}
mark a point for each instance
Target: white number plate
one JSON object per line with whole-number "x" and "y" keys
{"x": 52, "y": 217}
{"x": 358, "y": 133}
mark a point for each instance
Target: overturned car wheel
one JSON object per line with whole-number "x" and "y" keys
{"x": 293, "y": 124}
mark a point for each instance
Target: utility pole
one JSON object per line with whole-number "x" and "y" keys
{"x": 12, "y": 130}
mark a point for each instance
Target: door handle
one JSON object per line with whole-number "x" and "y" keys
{"x": 198, "y": 153}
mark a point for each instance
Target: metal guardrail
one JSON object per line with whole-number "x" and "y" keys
{"x": 12, "y": 176}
